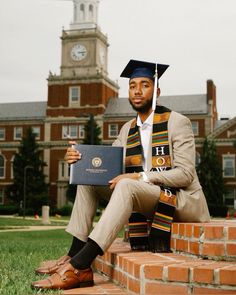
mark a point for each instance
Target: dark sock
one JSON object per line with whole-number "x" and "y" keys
{"x": 85, "y": 257}
{"x": 76, "y": 246}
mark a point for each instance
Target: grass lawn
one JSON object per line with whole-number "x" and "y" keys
{"x": 22, "y": 252}
{"x": 6, "y": 223}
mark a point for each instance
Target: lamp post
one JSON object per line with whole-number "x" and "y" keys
{"x": 24, "y": 188}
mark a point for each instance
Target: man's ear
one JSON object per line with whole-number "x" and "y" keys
{"x": 158, "y": 92}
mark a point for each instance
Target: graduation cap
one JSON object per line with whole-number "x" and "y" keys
{"x": 137, "y": 68}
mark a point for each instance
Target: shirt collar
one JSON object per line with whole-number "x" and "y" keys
{"x": 148, "y": 121}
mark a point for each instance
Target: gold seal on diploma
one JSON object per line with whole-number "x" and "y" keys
{"x": 96, "y": 162}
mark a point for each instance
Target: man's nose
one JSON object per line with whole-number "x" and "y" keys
{"x": 138, "y": 89}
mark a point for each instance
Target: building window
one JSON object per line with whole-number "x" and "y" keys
{"x": 63, "y": 170}
{"x": 81, "y": 132}
{"x": 195, "y": 127}
{"x": 18, "y": 131}
{"x": 70, "y": 131}
{"x": 230, "y": 197}
{"x": 2, "y": 133}
{"x": 1, "y": 196}
{"x": 197, "y": 159}
{"x": 36, "y": 131}
{"x": 82, "y": 12}
{"x": 74, "y": 95}
{"x": 112, "y": 130}
{"x": 228, "y": 165}
{"x": 12, "y": 167}
{"x": 2, "y": 166}
{"x": 90, "y": 11}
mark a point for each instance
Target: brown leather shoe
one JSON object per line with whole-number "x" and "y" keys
{"x": 51, "y": 266}
{"x": 66, "y": 277}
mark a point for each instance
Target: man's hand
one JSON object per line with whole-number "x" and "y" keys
{"x": 114, "y": 181}
{"x": 72, "y": 155}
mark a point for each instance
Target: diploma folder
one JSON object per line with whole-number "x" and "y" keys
{"x": 98, "y": 164}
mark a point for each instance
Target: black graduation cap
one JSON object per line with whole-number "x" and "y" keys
{"x": 137, "y": 68}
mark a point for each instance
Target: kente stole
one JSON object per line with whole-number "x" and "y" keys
{"x": 140, "y": 232}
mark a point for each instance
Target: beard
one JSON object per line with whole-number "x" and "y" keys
{"x": 144, "y": 108}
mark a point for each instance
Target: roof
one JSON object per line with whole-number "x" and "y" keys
{"x": 23, "y": 110}
{"x": 223, "y": 127}
{"x": 119, "y": 107}
{"x": 184, "y": 104}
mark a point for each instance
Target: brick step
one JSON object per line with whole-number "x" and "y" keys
{"x": 214, "y": 240}
{"x": 102, "y": 285}
{"x": 167, "y": 273}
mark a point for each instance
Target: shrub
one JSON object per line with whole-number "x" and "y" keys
{"x": 64, "y": 211}
{"x": 8, "y": 209}
{"x": 218, "y": 211}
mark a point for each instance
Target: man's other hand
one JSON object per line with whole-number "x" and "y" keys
{"x": 72, "y": 155}
{"x": 114, "y": 181}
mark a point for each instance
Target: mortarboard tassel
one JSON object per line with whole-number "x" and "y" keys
{"x": 154, "y": 99}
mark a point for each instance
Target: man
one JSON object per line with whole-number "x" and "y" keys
{"x": 160, "y": 184}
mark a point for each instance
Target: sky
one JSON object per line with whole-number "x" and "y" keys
{"x": 195, "y": 37}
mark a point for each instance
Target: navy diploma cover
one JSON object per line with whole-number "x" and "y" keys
{"x": 98, "y": 164}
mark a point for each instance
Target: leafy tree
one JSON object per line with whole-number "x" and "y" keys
{"x": 92, "y": 132}
{"x": 28, "y": 163}
{"x": 234, "y": 143}
{"x": 210, "y": 174}
{"x": 71, "y": 192}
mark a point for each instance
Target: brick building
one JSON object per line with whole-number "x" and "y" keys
{"x": 82, "y": 88}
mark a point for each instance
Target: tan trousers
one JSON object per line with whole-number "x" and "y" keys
{"x": 128, "y": 196}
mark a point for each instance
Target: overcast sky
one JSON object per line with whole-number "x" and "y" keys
{"x": 196, "y": 37}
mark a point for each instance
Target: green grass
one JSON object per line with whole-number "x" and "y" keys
{"x": 22, "y": 252}
{"x": 6, "y": 223}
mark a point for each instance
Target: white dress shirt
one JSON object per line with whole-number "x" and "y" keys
{"x": 145, "y": 130}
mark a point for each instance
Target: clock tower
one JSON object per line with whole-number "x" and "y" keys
{"x": 83, "y": 65}
{"x": 81, "y": 91}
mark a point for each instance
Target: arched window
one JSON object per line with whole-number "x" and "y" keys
{"x": 2, "y": 166}
{"x": 90, "y": 11}
{"x": 82, "y": 12}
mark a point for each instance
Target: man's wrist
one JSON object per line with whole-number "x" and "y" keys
{"x": 143, "y": 177}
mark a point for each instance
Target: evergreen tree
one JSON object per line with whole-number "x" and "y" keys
{"x": 29, "y": 165}
{"x": 210, "y": 174}
{"x": 92, "y": 132}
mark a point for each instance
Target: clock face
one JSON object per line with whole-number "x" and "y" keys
{"x": 78, "y": 52}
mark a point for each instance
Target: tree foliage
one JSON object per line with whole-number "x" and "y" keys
{"x": 92, "y": 136}
{"x": 210, "y": 174}
{"x": 28, "y": 169}
{"x": 92, "y": 132}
